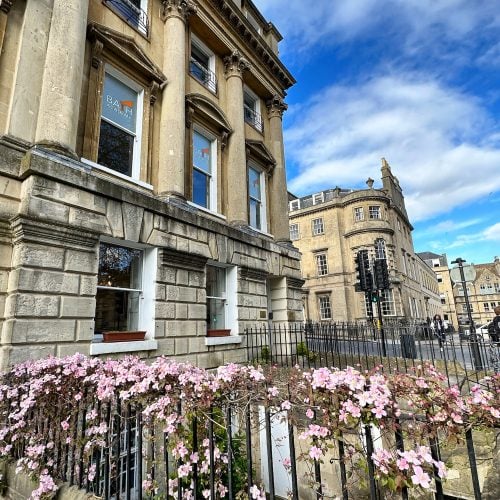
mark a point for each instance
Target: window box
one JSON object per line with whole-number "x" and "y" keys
{"x": 120, "y": 336}
{"x": 218, "y": 333}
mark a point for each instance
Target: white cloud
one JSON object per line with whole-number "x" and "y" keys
{"x": 328, "y": 21}
{"x": 493, "y": 232}
{"x": 436, "y": 139}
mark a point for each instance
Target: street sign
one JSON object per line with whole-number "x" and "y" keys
{"x": 469, "y": 274}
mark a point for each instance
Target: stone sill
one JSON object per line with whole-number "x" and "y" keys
{"x": 119, "y": 347}
{"x": 232, "y": 339}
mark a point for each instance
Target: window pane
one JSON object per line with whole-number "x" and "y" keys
{"x": 201, "y": 188}
{"x": 115, "y": 148}
{"x": 116, "y": 310}
{"x": 199, "y": 56}
{"x": 216, "y": 281}
{"x": 119, "y": 103}
{"x": 255, "y": 214}
{"x": 201, "y": 152}
{"x": 119, "y": 266}
{"x": 254, "y": 183}
{"x": 216, "y": 313}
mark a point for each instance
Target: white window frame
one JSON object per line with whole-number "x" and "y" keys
{"x": 294, "y": 205}
{"x": 209, "y": 54}
{"x": 143, "y": 7}
{"x": 380, "y": 249}
{"x": 318, "y": 198}
{"x": 231, "y": 297}
{"x": 387, "y": 303}
{"x": 294, "y": 232}
{"x": 263, "y": 197}
{"x": 136, "y": 154}
{"x": 359, "y": 214}
{"x": 318, "y": 226}
{"x": 255, "y": 108}
{"x": 486, "y": 307}
{"x": 375, "y": 212}
{"x": 146, "y": 319}
{"x": 321, "y": 264}
{"x": 213, "y": 192}
{"x": 324, "y": 305}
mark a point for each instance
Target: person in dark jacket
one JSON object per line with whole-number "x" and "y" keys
{"x": 494, "y": 328}
{"x": 438, "y": 329}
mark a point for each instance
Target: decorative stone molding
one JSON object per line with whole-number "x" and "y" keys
{"x": 295, "y": 283}
{"x": 27, "y": 229}
{"x": 125, "y": 47}
{"x": 197, "y": 104}
{"x": 258, "y": 151}
{"x": 235, "y": 64}
{"x": 5, "y": 5}
{"x": 181, "y": 9}
{"x": 182, "y": 260}
{"x": 276, "y": 106}
{"x": 253, "y": 274}
{"x": 255, "y": 42}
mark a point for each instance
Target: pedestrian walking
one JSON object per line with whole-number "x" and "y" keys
{"x": 494, "y": 327}
{"x": 438, "y": 329}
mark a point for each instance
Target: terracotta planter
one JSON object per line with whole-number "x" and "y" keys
{"x": 218, "y": 333}
{"x": 122, "y": 336}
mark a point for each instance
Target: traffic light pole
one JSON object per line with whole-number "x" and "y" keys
{"x": 380, "y": 324}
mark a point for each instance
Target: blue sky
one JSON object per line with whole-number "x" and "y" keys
{"x": 414, "y": 81}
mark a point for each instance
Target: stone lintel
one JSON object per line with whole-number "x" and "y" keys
{"x": 295, "y": 283}
{"x": 253, "y": 274}
{"x": 28, "y": 229}
{"x": 182, "y": 260}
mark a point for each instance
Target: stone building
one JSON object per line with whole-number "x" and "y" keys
{"x": 331, "y": 226}
{"x": 142, "y": 179}
{"x": 439, "y": 264}
{"x": 483, "y": 293}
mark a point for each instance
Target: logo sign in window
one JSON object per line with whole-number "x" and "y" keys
{"x": 119, "y": 103}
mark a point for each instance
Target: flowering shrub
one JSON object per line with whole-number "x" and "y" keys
{"x": 58, "y": 415}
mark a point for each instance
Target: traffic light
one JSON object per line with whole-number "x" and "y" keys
{"x": 363, "y": 273}
{"x": 381, "y": 274}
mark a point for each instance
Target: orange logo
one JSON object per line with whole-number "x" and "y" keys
{"x": 126, "y": 104}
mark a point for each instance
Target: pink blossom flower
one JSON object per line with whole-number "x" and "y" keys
{"x": 420, "y": 477}
{"x": 315, "y": 452}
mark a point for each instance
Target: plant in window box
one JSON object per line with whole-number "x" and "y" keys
{"x": 120, "y": 336}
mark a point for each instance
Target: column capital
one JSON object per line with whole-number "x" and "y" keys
{"x": 181, "y": 9}
{"x": 235, "y": 64}
{"x": 5, "y": 5}
{"x": 276, "y": 106}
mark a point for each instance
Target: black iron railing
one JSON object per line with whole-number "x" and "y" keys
{"x": 204, "y": 75}
{"x": 132, "y": 13}
{"x": 253, "y": 118}
{"x": 398, "y": 346}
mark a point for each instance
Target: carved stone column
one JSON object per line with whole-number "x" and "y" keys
{"x": 5, "y": 6}
{"x": 62, "y": 77}
{"x": 278, "y": 190}
{"x": 236, "y": 175}
{"x": 173, "y": 114}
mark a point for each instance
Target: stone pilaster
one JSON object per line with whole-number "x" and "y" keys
{"x": 237, "y": 207}
{"x": 278, "y": 197}
{"x": 62, "y": 78}
{"x": 173, "y": 114}
{"x": 5, "y": 6}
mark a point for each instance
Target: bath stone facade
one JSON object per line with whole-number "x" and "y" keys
{"x": 142, "y": 179}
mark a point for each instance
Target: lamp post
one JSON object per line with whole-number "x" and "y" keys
{"x": 476, "y": 354}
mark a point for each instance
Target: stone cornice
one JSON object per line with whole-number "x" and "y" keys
{"x": 182, "y": 260}
{"x": 181, "y": 9}
{"x": 255, "y": 42}
{"x": 235, "y": 64}
{"x": 295, "y": 282}
{"x": 386, "y": 230}
{"x": 28, "y": 229}
{"x": 276, "y": 106}
{"x": 5, "y": 5}
{"x": 253, "y": 274}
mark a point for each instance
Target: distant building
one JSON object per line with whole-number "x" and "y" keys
{"x": 330, "y": 227}
{"x": 483, "y": 292}
{"x": 439, "y": 264}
